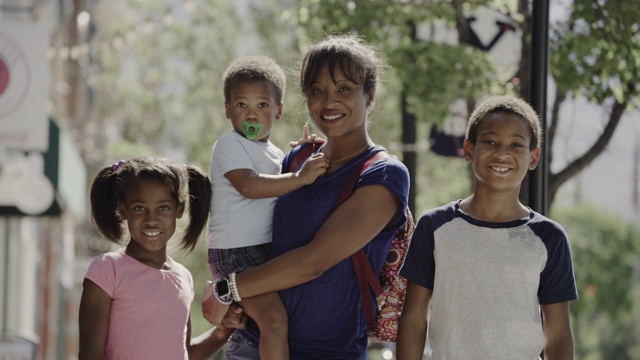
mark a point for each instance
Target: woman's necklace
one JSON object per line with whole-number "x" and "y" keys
{"x": 331, "y": 162}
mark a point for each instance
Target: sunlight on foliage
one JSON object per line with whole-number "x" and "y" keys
{"x": 606, "y": 257}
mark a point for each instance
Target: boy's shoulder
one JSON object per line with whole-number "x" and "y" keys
{"x": 545, "y": 226}
{"x": 539, "y": 223}
{"x": 448, "y": 210}
{"x": 436, "y": 217}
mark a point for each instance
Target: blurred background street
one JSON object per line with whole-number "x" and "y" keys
{"x": 85, "y": 83}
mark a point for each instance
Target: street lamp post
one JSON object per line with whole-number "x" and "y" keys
{"x": 538, "y": 178}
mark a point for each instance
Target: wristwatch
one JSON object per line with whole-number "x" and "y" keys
{"x": 222, "y": 291}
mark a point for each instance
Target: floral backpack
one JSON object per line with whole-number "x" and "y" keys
{"x": 389, "y": 287}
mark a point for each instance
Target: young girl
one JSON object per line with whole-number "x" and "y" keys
{"x": 136, "y": 300}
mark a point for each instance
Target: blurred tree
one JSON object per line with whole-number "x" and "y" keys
{"x": 593, "y": 53}
{"x": 606, "y": 257}
{"x": 160, "y": 77}
{"x": 429, "y": 76}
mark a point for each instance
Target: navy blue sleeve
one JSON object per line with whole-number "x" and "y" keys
{"x": 420, "y": 266}
{"x": 393, "y": 174}
{"x": 557, "y": 280}
{"x": 286, "y": 162}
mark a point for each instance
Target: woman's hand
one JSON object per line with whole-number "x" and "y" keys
{"x": 306, "y": 138}
{"x": 222, "y": 316}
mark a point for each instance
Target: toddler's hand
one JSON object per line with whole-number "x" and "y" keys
{"x": 235, "y": 317}
{"x": 306, "y": 138}
{"x": 314, "y": 166}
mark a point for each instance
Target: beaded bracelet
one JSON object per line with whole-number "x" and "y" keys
{"x": 234, "y": 288}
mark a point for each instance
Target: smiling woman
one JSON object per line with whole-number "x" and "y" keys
{"x": 311, "y": 265}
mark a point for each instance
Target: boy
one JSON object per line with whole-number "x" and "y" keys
{"x": 246, "y": 179}
{"x": 487, "y": 276}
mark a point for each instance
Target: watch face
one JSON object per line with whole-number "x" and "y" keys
{"x": 222, "y": 288}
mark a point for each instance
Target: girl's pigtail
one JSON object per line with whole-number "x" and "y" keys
{"x": 199, "y": 202}
{"x": 104, "y": 204}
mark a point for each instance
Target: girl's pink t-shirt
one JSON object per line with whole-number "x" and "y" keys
{"x": 149, "y": 308}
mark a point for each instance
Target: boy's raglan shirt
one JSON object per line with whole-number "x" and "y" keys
{"x": 488, "y": 281}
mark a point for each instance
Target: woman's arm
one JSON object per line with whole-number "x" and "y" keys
{"x": 412, "y": 328}
{"x": 360, "y": 218}
{"x": 95, "y": 307}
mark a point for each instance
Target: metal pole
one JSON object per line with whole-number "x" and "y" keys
{"x": 409, "y": 136}
{"x": 538, "y": 178}
{"x": 6, "y": 240}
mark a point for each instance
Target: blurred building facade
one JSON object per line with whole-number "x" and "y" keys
{"x": 43, "y": 189}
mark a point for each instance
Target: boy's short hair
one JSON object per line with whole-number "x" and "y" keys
{"x": 506, "y": 103}
{"x": 254, "y": 68}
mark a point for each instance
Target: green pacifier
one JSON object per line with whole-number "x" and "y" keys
{"x": 250, "y": 131}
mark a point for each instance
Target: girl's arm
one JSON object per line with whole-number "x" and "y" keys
{"x": 95, "y": 307}
{"x": 557, "y": 331}
{"x": 414, "y": 321}
{"x": 207, "y": 344}
{"x": 359, "y": 219}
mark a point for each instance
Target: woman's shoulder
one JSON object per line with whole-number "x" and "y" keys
{"x": 382, "y": 168}
{"x": 380, "y": 160}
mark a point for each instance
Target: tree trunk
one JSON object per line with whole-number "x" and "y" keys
{"x": 409, "y": 137}
{"x": 561, "y": 96}
{"x": 524, "y": 74}
{"x": 579, "y": 164}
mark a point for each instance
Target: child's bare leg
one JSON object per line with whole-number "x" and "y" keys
{"x": 270, "y": 315}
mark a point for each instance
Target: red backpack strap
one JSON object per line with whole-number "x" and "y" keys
{"x": 364, "y": 271}
{"x": 350, "y": 183}
{"x": 302, "y": 155}
{"x": 366, "y": 278}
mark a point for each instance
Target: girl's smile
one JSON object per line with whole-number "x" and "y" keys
{"x": 151, "y": 213}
